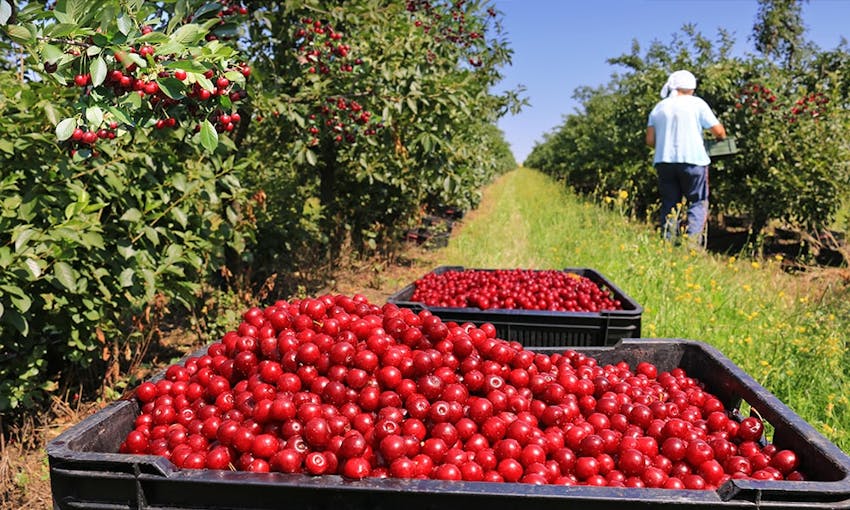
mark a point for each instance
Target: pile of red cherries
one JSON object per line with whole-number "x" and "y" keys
{"x": 338, "y": 385}
{"x": 523, "y": 289}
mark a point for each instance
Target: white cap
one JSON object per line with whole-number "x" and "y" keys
{"x": 679, "y": 80}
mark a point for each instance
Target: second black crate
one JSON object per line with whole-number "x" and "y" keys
{"x": 543, "y": 328}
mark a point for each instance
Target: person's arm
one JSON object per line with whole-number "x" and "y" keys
{"x": 650, "y": 136}
{"x": 718, "y": 131}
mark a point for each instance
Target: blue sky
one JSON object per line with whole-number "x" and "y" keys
{"x": 560, "y": 45}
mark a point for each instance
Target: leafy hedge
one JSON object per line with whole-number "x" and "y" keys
{"x": 88, "y": 250}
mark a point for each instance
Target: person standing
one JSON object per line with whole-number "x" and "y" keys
{"x": 675, "y": 129}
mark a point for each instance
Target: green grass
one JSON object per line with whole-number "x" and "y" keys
{"x": 789, "y": 332}
{"x": 842, "y": 217}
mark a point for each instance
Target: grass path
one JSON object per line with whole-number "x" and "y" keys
{"x": 500, "y": 215}
{"x": 790, "y": 333}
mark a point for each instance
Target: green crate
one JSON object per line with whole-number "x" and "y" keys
{"x": 721, "y": 148}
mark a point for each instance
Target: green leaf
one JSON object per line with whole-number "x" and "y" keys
{"x": 187, "y": 65}
{"x": 411, "y": 103}
{"x": 170, "y": 48}
{"x": 151, "y": 234}
{"x": 75, "y": 9}
{"x": 132, "y": 215}
{"x": 83, "y": 154}
{"x": 187, "y": 34}
{"x": 235, "y": 76}
{"x": 51, "y": 53}
{"x": 179, "y": 182}
{"x": 225, "y": 30}
{"x": 125, "y": 279}
{"x": 91, "y": 240}
{"x": 50, "y": 112}
{"x": 34, "y": 270}
{"x": 209, "y": 136}
{"x": 134, "y": 58}
{"x": 180, "y": 12}
{"x": 18, "y": 321}
{"x": 154, "y": 38}
{"x": 65, "y": 129}
{"x": 172, "y": 87}
{"x": 204, "y": 82}
{"x": 125, "y": 24}
{"x": 206, "y": 8}
{"x": 19, "y": 34}
{"x": 95, "y": 116}
{"x": 133, "y": 100}
{"x": 61, "y": 30}
{"x": 64, "y": 274}
{"x": 174, "y": 251}
{"x": 5, "y": 14}
{"x": 120, "y": 116}
{"x": 311, "y": 157}
{"x": 232, "y": 217}
{"x": 22, "y": 302}
{"x": 100, "y": 40}
{"x": 98, "y": 71}
{"x": 61, "y": 17}
{"x": 71, "y": 210}
{"x": 150, "y": 283}
{"x": 126, "y": 251}
{"x": 228, "y": 143}
{"x": 23, "y": 238}
{"x": 180, "y": 216}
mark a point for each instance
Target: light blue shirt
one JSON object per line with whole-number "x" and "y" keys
{"x": 679, "y": 122}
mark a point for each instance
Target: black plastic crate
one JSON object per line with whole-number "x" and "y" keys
{"x": 86, "y": 473}
{"x": 540, "y": 328}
